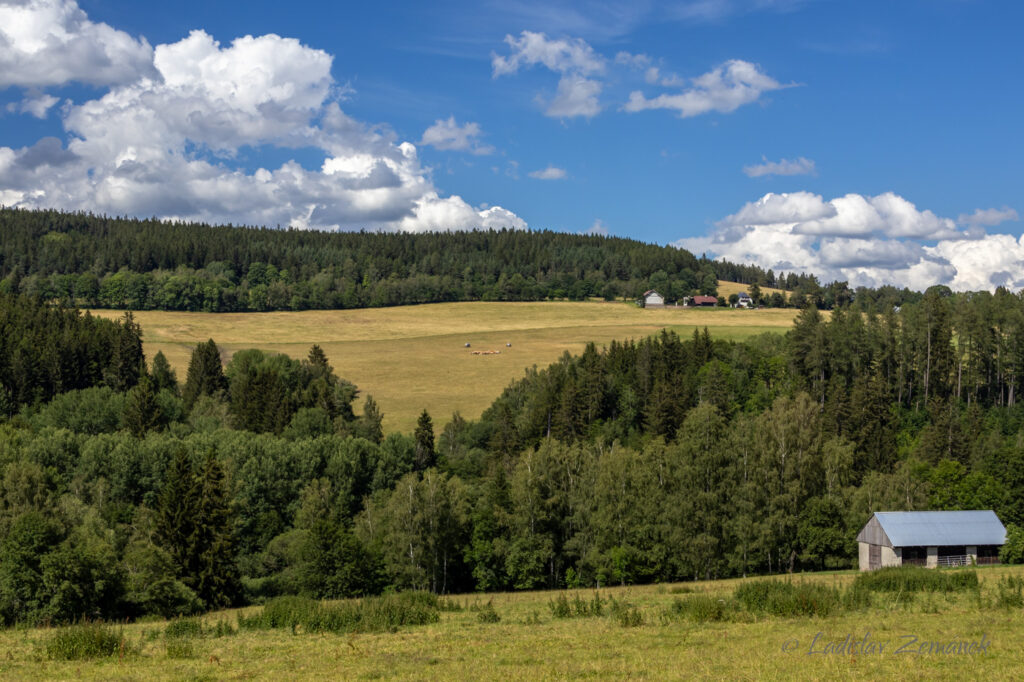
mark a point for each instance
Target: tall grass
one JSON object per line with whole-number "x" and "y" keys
{"x": 577, "y": 607}
{"x": 787, "y": 599}
{"x": 372, "y": 614}
{"x": 916, "y": 579}
{"x": 1010, "y": 592}
{"x": 86, "y": 641}
{"x": 700, "y": 608}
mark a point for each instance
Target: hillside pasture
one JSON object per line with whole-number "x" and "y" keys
{"x": 414, "y": 357}
{"x": 725, "y": 289}
{"x": 521, "y": 636}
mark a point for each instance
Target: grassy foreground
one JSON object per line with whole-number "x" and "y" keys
{"x": 530, "y": 642}
{"x": 414, "y": 357}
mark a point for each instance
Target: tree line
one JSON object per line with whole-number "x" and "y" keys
{"x": 90, "y": 261}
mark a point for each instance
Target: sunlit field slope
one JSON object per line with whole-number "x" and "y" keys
{"x": 728, "y": 288}
{"x": 638, "y": 634}
{"x": 414, "y": 357}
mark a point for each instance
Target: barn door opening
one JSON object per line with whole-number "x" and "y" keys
{"x": 874, "y": 557}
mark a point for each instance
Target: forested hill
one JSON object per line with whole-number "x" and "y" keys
{"x": 91, "y": 261}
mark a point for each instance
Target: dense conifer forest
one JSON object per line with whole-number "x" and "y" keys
{"x": 98, "y": 262}
{"x": 126, "y": 490}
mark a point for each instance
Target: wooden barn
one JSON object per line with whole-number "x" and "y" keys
{"x": 930, "y": 538}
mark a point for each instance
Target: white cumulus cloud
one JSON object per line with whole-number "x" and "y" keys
{"x": 448, "y": 135}
{"x": 988, "y": 216}
{"x": 578, "y": 93}
{"x": 865, "y": 240}
{"x": 52, "y": 42}
{"x": 723, "y": 89}
{"x": 165, "y": 141}
{"x": 576, "y": 96}
{"x": 38, "y": 106}
{"x": 563, "y": 55}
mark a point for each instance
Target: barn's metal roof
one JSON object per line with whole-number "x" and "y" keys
{"x": 942, "y": 528}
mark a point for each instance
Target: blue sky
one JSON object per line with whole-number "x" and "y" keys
{"x": 877, "y": 142}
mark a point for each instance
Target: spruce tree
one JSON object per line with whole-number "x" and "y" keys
{"x": 127, "y": 362}
{"x": 162, "y": 374}
{"x": 205, "y": 374}
{"x": 141, "y": 411}
{"x": 426, "y": 456}
{"x": 217, "y": 581}
{"x": 194, "y": 525}
{"x": 318, "y": 361}
{"x": 177, "y": 515}
{"x": 370, "y": 423}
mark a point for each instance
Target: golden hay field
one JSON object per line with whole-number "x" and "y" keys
{"x": 413, "y": 357}
{"x": 727, "y": 288}
{"x": 530, "y": 644}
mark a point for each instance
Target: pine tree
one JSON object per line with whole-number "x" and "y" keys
{"x": 177, "y": 515}
{"x": 127, "y": 362}
{"x": 141, "y": 411}
{"x": 426, "y": 455}
{"x": 318, "y": 360}
{"x": 162, "y": 374}
{"x": 194, "y": 526}
{"x": 205, "y": 374}
{"x": 217, "y": 581}
{"x": 370, "y": 423}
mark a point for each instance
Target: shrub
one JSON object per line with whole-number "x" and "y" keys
{"x": 560, "y": 607}
{"x": 856, "y": 598}
{"x": 785, "y": 598}
{"x": 700, "y": 608}
{"x": 624, "y": 614}
{"x": 449, "y": 604}
{"x": 1010, "y": 592}
{"x": 179, "y": 648}
{"x": 223, "y": 629}
{"x": 577, "y": 607}
{"x": 916, "y": 579}
{"x": 86, "y": 641}
{"x": 184, "y": 628}
{"x": 372, "y": 614}
{"x": 488, "y": 615}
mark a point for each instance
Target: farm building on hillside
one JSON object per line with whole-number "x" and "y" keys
{"x": 700, "y": 301}
{"x": 744, "y": 300}
{"x": 652, "y": 299}
{"x": 930, "y": 538}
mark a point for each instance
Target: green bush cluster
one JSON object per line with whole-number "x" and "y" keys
{"x": 916, "y": 579}
{"x": 577, "y": 607}
{"x": 372, "y": 614}
{"x": 700, "y": 608}
{"x": 1010, "y": 592}
{"x": 786, "y": 598}
{"x": 625, "y": 614}
{"x": 487, "y": 614}
{"x": 86, "y": 641}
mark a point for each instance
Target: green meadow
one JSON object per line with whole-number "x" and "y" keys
{"x": 819, "y": 632}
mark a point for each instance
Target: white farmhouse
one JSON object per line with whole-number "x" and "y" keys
{"x": 652, "y": 299}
